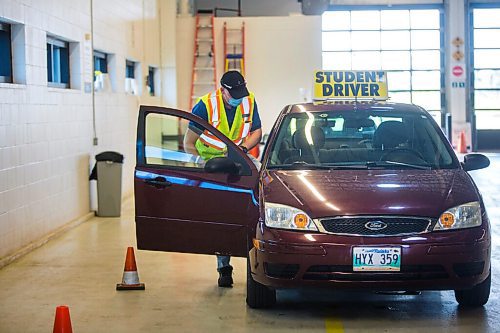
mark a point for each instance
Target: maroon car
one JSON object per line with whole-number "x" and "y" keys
{"x": 349, "y": 195}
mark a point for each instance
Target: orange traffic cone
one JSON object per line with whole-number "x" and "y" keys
{"x": 62, "y": 323}
{"x": 462, "y": 143}
{"x": 130, "y": 279}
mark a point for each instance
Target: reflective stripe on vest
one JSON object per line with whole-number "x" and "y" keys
{"x": 247, "y": 121}
{"x": 214, "y": 103}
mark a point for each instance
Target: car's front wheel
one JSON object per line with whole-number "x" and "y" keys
{"x": 258, "y": 295}
{"x": 476, "y": 296}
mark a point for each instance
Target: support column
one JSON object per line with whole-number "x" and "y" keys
{"x": 457, "y": 81}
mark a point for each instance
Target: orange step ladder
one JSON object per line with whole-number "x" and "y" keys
{"x": 234, "y": 48}
{"x": 204, "y": 70}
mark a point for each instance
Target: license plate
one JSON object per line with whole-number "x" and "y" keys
{"x": 376, "y": 259}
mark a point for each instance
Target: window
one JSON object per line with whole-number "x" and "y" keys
{"x": 404, "y": 42}
{"x": 100, "y": 62}
{"x": 132, "y": 86}
{"x": 151, "y": 80}
{"x": 5, "y": 53}
{"x": 486, "y": 64}
{"x": 100, "y": 70}
{"x": 130, "y": 68}
{"x": 165, "y": 142}
{"x": 57, "y": 63}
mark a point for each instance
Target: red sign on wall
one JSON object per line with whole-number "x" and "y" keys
{"x": 457, "y": 70}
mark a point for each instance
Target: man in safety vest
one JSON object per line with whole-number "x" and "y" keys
{"x": 233, "y": 111}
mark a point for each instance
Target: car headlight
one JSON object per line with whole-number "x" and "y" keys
{"x": 286, "y": 217}
{"x": 464, "y": 216}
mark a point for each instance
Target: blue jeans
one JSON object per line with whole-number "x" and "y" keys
{"x": 222, "y": 261}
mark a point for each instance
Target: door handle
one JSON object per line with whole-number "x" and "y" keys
{"x": 158, "y": 182}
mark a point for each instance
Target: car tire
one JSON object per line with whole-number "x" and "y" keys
{"x": 258, "y": 295}
{"x": 476, "y": 296}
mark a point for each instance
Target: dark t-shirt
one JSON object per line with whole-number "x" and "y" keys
{"x": 201, "y": 111}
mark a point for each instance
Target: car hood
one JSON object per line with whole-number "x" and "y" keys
{"x": 322, "y": 193}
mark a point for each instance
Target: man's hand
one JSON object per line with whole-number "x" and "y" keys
{"x": 252, "y": 139}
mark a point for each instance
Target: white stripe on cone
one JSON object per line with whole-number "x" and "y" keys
{"x": 130, "y": 278}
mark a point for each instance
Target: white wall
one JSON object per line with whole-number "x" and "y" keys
{"x": 46, "y": 133}
{"x": 281, "y": 56}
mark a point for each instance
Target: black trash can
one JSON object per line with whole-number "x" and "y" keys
{"x": 108, "y": 173}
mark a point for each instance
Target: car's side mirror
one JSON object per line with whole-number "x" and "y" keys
{"x": 222, "y": 165}
{"x": 475, "y": 162}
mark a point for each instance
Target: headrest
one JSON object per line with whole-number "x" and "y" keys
{"x": 357, "y": 123}
{"x": 390, "y": 134}
{"x": 299, "y": 138}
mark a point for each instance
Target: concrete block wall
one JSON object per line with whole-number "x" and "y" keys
{"x": 46, "y": 134}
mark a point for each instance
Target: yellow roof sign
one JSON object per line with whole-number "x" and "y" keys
{"x": 350, "y": 85}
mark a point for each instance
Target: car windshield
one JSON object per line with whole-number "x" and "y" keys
{"x": 360, "y": 139}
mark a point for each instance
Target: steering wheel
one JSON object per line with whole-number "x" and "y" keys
{"x": 401, "y": 150}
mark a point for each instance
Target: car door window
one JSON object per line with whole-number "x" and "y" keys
{"x": 165, "y": 142}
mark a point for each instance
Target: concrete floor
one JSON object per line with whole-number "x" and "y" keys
{"x": 81, "y": 268}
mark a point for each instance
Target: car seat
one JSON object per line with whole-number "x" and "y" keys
{"x": 307, "y": 152}
{"x": 390, "y": 135}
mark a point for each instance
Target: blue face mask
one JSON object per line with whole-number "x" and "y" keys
{"x": 234, "y": 102}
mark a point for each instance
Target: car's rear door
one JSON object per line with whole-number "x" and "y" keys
{"x": 179, "y": 206}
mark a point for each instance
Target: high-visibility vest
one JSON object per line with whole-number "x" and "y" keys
{"x": 208, "y": 145}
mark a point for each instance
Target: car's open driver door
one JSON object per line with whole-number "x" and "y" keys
{"x": 179, "y": 205}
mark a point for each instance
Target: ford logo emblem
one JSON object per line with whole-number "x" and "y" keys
{"x": 376, "y": 225}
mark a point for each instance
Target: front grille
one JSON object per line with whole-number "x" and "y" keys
{"x": 281, "y": 271}
{"x": 393, "y": 225}
{"x": 345, "y": 273}
{"x": 468, "y": 269}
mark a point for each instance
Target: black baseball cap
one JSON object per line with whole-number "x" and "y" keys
{"x": 235, "y": 83}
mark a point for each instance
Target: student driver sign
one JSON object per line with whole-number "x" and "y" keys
{"x": 350, "y": 85}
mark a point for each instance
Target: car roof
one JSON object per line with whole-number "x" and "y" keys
{"x": 346, "y": 105}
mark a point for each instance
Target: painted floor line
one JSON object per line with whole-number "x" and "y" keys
{"x": 334, "y": 325}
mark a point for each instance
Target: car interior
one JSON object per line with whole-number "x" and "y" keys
{"x": 410, "y": 140}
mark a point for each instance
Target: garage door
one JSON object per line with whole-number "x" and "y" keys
{"x": 485, "y": 39}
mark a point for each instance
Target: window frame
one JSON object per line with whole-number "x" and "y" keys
{"x": 52, "y": 43}
{"x": 151, "y": 80}
{"x": 98, "y": 57}
{"x": 5, "y": 27}
{"x": 471, "y": 101}
{"x": 130, "y": 64}
{"x": 442, "y": 25}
